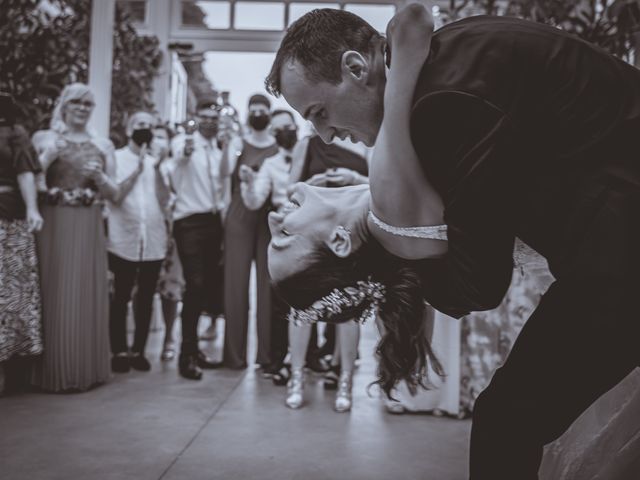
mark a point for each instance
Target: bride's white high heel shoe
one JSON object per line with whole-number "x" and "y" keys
{"x": 295, "y": 389}
{"x": 343, "y": 396}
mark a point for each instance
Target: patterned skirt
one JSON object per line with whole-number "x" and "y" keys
{"x": 171, "y": 281}
{"x": 75, "y": 299}
{"x": 20, "y": 310}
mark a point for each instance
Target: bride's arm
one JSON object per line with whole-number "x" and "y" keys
{"x": 400, "y": 193}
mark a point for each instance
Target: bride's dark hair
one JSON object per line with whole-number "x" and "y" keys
{"x": 404, "y": 350}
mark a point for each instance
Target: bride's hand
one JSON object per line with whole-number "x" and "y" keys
{"x": 410, "y": 30}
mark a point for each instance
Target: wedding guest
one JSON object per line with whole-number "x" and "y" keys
{"x": 72, "y": 245}
{"x": 269, "y": 187}
{"x": 137, "y": 243}
{"x": 170, "y": 281}
{"x": 246, "y": 239}
{"x": 20, "y": 315}
{"x": 198, "y": 183}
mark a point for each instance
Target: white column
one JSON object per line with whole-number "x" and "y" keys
{"x": 100, "y": 62}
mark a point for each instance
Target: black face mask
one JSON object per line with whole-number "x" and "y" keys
{"x": 260, "y": 121}
{"x": 208, "y": 129}
{"x": 142, "y": 136}
{"x": 286, "y": 138}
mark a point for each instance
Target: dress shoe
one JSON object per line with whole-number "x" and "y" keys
{"x": 120, "y": 362}
{"x": 188, "y": 366}
{"x": 139, "y": 362}
{"x": 206, "y": 362}
{"x": 270, "y": 370}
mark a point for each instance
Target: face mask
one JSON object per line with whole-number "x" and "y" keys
{"x": 286, "y": 138}
{"x": 142, "y": 136}
{"x": 260, "y": 121}
{"x": 208, "y": 129}
{"x": 159, "y": 145}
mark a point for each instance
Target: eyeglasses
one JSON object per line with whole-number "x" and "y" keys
{"x": 76, "y": 102}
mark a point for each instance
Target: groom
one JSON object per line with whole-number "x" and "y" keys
{"x": 525, "y": 131}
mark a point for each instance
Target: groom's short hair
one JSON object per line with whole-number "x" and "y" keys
{"x": 317, "y": 41}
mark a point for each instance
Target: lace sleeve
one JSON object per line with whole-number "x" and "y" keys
{"x": 435, "y": 232}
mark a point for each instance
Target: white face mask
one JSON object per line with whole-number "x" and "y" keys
{"x": 159, "y": 146}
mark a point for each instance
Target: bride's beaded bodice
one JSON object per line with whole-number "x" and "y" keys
{"x": 523, "y": 254}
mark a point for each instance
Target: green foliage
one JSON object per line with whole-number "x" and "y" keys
{"x": 136, "y": 60}
{"x": 611, "y": 24}
{"x": 45, "y": 45}
{"x": 41, "y": 50}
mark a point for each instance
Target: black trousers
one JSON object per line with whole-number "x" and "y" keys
{"x": 126, "y": 275}
{"x": 579, "y": 343}
{"x": 198, "y": 239}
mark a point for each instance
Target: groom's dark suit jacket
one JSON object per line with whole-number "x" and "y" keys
{"x": 525, "y": 131}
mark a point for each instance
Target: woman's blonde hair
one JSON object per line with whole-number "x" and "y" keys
{"x": 70, "y": 92}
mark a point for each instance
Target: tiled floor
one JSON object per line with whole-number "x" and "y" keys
{"x": 231, "y": 425}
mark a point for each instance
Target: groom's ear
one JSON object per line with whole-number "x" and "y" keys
{"x": 354, "y": 66}
{"x": 340, "y": 242}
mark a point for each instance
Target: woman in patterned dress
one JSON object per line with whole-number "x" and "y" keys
{"x": 20, "y": 319}
{"x": 72, "y": 248}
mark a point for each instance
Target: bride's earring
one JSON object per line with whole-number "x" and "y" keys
{"x": 340, "y": 242}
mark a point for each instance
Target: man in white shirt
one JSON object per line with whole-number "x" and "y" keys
{"x": 137, "y": 243}
{"x": 198, "y": 184}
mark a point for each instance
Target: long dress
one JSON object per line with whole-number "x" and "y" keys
{"x": 20, "y": 309}
{"x": 73, "y": 271}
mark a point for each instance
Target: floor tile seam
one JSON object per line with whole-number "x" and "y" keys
{"x": 203, "y": 426}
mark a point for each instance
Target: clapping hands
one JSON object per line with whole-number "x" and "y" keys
{"x": 246, "y": 174}
{"x": 93, "y": 170}
{"x": 52, "y": 151}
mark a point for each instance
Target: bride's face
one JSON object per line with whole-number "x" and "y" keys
{"x": 310, "y": 219}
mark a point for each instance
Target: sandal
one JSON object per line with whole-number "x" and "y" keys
{"x": 331, "y": 378}
{"x": 281, "y": 377}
